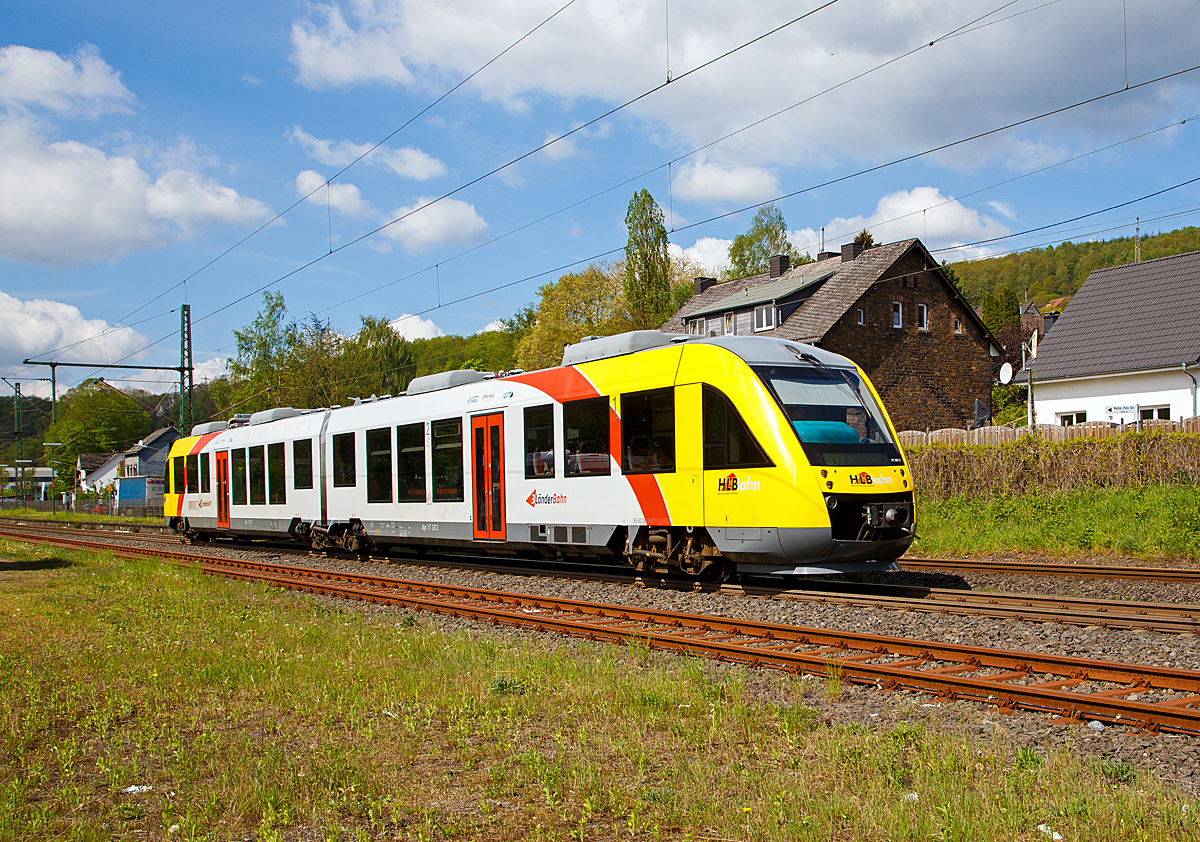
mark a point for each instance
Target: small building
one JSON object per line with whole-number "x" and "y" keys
{"x": 94, "y": 471}
{"x": 892, "y": 309}
{"x": 148, "y": 458}
{"x": 1126, "y": 349}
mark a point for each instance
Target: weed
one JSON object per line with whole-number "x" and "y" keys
{"x": 507, "y": 687}
{"x": 1117, "y": 771}
{"x": 833, "y": 678}
{"x": 1028, "y": 759}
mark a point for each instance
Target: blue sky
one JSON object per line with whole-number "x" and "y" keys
{"x": 139, "y": 141}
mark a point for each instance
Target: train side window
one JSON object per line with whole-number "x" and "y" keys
{"x": 539, "y": 441}
{"x": 205, "y": 474}
{"x": 302, "y": 476}
{"x": 276, "y": 474}
{"x": 256, "y": 468}
{"x": 410, "y": 447}
{"x": 237, "y": 460}
{"x": 448, "y": 461}
{"x": 379, "y": 465}
{"x": 728, "y": 442}
{"x": 178, "y": 475}
{"x": 343, "y": 461}
{"x": 586, "y": 437}
{"x": 648, "y": 432}
{"x": 193, "y": 474}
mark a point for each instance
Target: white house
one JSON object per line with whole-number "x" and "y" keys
{"x": 1126, "y": 349}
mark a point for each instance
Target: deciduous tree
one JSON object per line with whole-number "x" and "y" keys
{"x": 751, "y": 253}
{"x": 647, "y": 265}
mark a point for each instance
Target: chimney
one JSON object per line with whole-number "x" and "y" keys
{"x": 701, "y": 284}
{"x": 780, "y": 263}
{"x": 825, "y": 255}
{"x": 851, "y": 251}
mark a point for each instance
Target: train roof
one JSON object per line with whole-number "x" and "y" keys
{"x": 755, "y": 350}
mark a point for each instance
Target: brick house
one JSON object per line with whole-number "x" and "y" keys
{"x": 891, "y": 309}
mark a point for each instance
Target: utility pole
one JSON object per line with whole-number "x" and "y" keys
{"x": 17, "y": 425}
{"x": 185, "y": 368}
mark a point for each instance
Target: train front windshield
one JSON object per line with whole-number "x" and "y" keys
{"x": 837, "y": 419}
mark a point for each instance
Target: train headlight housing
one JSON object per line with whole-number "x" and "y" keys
{"x": 896, "y": 516}
{"x": 831, "y": 501}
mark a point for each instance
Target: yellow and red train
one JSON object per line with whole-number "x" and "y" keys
{"x": 701, "y": 455}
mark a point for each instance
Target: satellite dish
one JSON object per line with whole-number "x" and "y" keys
{"x": 1006, "y": 373}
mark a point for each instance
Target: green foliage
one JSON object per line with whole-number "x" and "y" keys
{"x": 1060, "y": 270}
{"x": 96, "y": 418}
{"x": 865, "y": 239}
{"x": 751, "y": 252}
{"x": 35, "y": 420}
{"x": 647, "y": 265}
{"x": 1001, "y": 311}
{"x": 578, "y": 304}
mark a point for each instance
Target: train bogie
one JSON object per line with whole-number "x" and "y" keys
{"x": 674, "y": 453}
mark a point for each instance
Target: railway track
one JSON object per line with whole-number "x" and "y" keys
{"x": 1040, "y": 568}
{"x": 1111, "y": 614}
{"x": 1078, "y": 688}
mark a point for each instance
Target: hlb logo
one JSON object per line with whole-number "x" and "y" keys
{"x": 733, "y": 483}
{"x": 545, "y": 499}
{"x": 866, "y": 479}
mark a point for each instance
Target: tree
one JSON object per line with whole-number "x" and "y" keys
{"x": 1001, "y": 311}
{"x": 96, "y": 418}
{"x": 751, "y": 253}
{"x": 647, "y": 265}
{"x": 262, "y": 350}
{"x": 576, "y": 305}
{"x": 865, "y": 239}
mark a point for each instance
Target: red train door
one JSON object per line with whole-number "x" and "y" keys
{"x": 223, "y": 489}
{"x": 487, "y": 475}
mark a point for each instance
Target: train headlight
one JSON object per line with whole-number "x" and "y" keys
{"x": 896, "y": 517}
{"x": 831, "y": 501}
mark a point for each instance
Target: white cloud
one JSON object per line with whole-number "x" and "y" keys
{"x": 81, "y": 83}
{"x": 406, "y": 162}
{"x": 560, "y": 151}
{"x": 251, "y": 79}
{"x": 710, "y": 183}
{"x": 345, "y": 197}
{"x": 923, "y": 212}
{"x": 491, "y": 327}
{"x": 37, "y": 326}
{"x": 710, "y": 252}
{"x": 448, "y": 221}
{"x": 210, "y": 369}
{"x": 414, "y": 327}
{"x": 77, "y": 203}
{"x": 611, "y": 50}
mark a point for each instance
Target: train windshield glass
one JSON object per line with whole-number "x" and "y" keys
{"x": 835, "y": 416}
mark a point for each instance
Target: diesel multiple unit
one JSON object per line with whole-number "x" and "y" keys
{"x": 682, "y": 454}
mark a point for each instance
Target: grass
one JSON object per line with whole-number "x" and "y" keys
{"x": 1151, "y": 523}
{"x": 34, "y": 514}
{"x": 255, "y": 713}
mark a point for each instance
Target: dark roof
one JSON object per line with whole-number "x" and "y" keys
{"x": 1125, "y": 318}
{"x": 159, "y": 438}
{"x": 1030, "y": 309}
{"x": 761, "y": 293}
{"x": 89, "y": 462}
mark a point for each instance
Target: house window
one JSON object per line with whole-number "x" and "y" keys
{"x": 957, "y": 325}
{"x": 696, "y": 327}
{"x": 1151, "y": 413}
{"x": 539, "y": 441}
{"x": 410, "y": 442}
{"x": 897, "y": 314}
{"x": 922, "y": 317}
{"x": 764, "y": 317}
{"x": 1070, "y": 419}
{"x": 862, "y": 316}
{"x": 729, "y": 325}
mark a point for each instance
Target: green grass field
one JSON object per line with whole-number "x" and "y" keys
{"x": 33, "y": 514}
{"x": 1155, "y": 522}
{"x": 253, "y": 713}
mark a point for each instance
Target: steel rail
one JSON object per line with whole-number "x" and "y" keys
{"x": 1109, "y": 614}
{"x": 1112, "y": 694}
{"x": 1037, "y": 568}
{"x": 949, "y": 670}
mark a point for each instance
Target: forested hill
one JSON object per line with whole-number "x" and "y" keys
{"x": 1060, "y": 270}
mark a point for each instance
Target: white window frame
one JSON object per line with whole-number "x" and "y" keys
{"x": 767, "y": 311}
{"x": 862, "y": 316}
{"x": 898, "y": 315}
{"x": 730, "y": 324}
{"x": 922, "y": 317}
{"x": 696, "y": 327}
{"x": 958, "y": 328}
{"x": 1154, "y": 412}
{"x": 1070, "y": 419}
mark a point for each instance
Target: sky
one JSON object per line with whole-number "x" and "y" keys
{"x": 156, "y": 154}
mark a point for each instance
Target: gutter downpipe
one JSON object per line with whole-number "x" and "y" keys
{"x": 1184, "y": 366}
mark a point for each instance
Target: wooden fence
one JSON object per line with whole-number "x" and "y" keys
{"x": 1046, "y": 432}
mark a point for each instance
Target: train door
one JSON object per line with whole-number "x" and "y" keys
{"x": 487, "y": 475}
{"x": 222, "y": 462}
